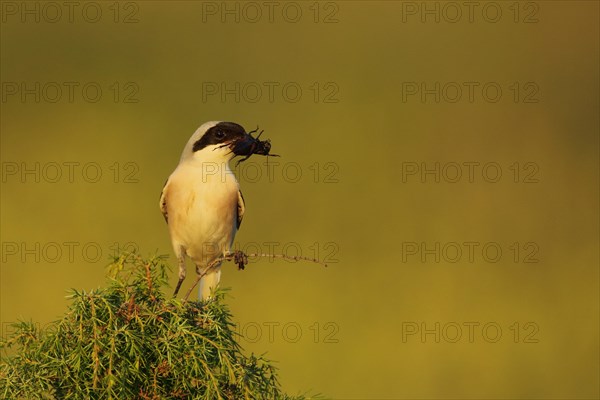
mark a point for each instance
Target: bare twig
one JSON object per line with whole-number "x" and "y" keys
{"x": 295, "y": 258}
{"x": 238, "y": 254}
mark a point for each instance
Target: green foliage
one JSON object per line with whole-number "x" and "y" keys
{"x": 129, "y": 341}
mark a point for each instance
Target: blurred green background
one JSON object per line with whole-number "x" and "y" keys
{"x": 385, "y": 319}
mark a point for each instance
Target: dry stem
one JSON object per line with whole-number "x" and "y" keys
{"x": 231, "y": 256}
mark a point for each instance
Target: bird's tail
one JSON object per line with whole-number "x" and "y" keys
{"x": 208, "y": 283}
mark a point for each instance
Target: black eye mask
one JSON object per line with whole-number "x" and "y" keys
{"x": 221, "y": 133}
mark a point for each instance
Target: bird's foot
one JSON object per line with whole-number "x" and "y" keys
{"x": 240, "y": 258}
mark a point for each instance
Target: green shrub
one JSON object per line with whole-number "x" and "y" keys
{"x": 130, "y": 341}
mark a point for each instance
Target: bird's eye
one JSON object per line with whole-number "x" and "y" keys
{"x": 220, "y": 134}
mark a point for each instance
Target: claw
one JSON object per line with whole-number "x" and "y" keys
{"x": 240, "y": 258}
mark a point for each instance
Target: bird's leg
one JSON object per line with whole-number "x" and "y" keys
{"x": 181, "y": 259}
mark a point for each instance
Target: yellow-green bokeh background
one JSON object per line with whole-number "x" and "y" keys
{"x": 369, "y": 213}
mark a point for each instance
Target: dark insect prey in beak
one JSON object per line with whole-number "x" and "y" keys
{"x": 250, "y": 145}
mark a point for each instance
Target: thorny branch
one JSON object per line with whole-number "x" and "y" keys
{"x": 241, "y": 259}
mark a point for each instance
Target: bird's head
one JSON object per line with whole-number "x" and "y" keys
{"x": 221, "y": 141}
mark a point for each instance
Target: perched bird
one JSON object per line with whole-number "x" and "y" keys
{"x": 202, "y": 202}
